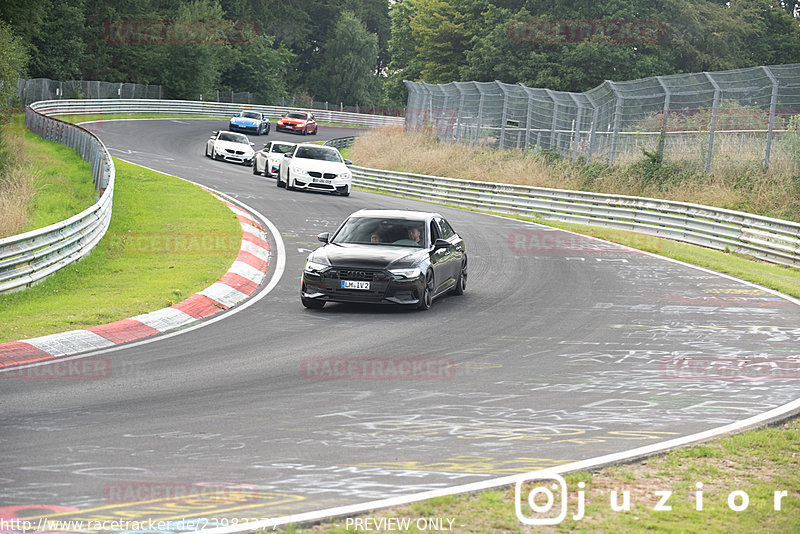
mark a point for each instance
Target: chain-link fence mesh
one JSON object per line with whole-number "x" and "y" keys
{"x": 699, "y": 120}
{"x": 30, "y": 91}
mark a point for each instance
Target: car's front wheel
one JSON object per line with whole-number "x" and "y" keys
{"x": 255, "y": 168}
{"x": 461, "y": 282}
{"x": 426, "y": 298}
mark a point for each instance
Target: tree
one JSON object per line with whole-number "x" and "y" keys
{"x": 12, "y": 62}
{"x": 58, "y": 48}
{"x": 260, "y": 68}
{"x": 349, "y": 59}
{"x": 441, "y": 38}
{"x": 190, "y": 69}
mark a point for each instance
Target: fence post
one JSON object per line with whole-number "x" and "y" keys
{"x": 712, "y": 128}
{"x": 592, "y": 128}
{"x": 479, "y": 121}
{"x": 460, "y": 110}
{"x": 553, "y": 140}
{"x": 617, "y": 118}
{"x": 772, "y": 104}
{"x": 576, "y": 133}
{"x": 528, "y": 116}
{"x": 504, "y": 117}
{"x": 664, "y": 118}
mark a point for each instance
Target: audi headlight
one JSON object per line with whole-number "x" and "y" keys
{"x": 414, "y": 272}
{"x": 314, "y": 267}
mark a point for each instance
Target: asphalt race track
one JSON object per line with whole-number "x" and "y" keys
{"x": 563, "y": 348}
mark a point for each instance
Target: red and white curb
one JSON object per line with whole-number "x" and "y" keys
{"x": 241, "y": 281}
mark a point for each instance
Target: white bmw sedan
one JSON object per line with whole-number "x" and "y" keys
{"x": 229, "y": 146}
{"x": 315, "y": 168}
{"x": 268, "y": 159}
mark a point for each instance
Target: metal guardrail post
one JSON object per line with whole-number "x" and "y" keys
{"x": 713, "y": 126}
{"x": 772, "y": 105}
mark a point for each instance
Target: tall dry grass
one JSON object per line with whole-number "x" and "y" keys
{"x": 731, "y": 184}
{"x": 17, "y": 185}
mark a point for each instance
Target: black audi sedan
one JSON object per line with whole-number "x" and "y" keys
{"x": 386, "y": 256}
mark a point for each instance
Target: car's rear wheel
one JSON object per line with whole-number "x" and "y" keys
{"x": 426, "y": 299}
{"x": 312, "y": 304}
{"x": 461, "y": 282}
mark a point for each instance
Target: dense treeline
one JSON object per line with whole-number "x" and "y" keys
{"x": 359, "y": 51}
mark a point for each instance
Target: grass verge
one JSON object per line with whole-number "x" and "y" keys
{"x": 52, "y": 180}
{"x": 167, "y": 240}
{"x": 756, "y": 462}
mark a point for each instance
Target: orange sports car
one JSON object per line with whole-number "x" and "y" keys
{"x": 297, "y": 121}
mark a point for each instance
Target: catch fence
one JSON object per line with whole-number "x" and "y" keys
{"x": 701, "y": 120}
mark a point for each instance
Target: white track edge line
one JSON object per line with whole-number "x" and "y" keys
{"x": 280, "y": 266}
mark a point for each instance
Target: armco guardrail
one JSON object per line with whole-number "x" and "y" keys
{"x": 206, "y": 109}
{"x": 27, "y": 258}
{"x": 341, "y": 142}
{"x": 772, "y": 240}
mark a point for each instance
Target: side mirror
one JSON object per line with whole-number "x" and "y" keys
{"x": 324, "y": 237}
{"x": 287, "y": 155}
{"x": 440, "y": 243}
{"x": 252, "y": 143}
{"x": 348, "y": 162}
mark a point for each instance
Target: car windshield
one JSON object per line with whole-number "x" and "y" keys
{"x": 381, "y": 231}
{"x": 250, "y": 115}
{"x": 296, "y": 116}
{"x": 225, "y": 136}
{"x": 281, "y": 149}
{"x": 318, "y": 152}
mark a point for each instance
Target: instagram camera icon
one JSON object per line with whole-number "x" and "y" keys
{"x": 541, "y": 499}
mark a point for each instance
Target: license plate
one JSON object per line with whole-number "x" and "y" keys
{"x": 355, "y": 284}
{"x": 321, "y": 181}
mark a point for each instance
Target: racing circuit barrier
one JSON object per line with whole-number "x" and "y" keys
{"x": 206, "y": 109}
{"x": 27, "y": 258}
{"x": 772, "y": 240}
